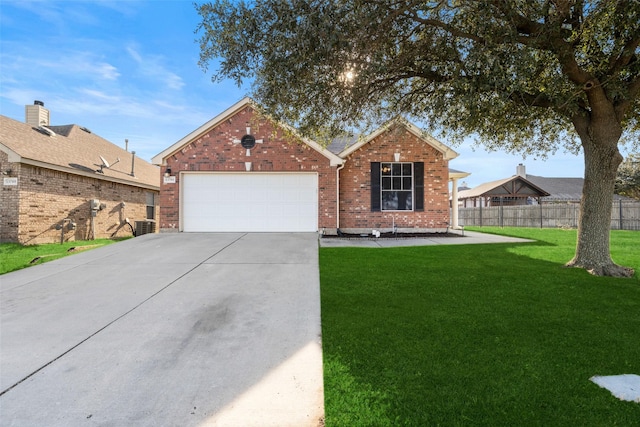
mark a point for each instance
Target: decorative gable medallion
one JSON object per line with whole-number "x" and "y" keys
{"x": 248, "y": 141}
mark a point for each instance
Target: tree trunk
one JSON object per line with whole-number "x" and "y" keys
{"x": 601, "y": 156}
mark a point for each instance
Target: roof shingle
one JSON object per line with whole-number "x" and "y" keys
{"x": 75, "y": 150}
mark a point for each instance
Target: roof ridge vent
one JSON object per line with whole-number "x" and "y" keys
{"x": 85, "y": 129}
{"x": 46, "y": 130}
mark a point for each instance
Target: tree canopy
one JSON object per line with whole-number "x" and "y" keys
{"x": 527, "y": 76}
{"x": 465, "y": 67}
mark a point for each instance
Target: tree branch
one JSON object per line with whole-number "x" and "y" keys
{"x": 531, "y": 100}
{"x": 633, "y": 91}
{"x": 626, "y": 55}
{"x": 448, "y": 28}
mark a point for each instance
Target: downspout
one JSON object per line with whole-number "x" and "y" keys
{"x": 338, "y": 196}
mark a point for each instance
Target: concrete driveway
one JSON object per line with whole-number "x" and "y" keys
{"x": 166, "y": 330}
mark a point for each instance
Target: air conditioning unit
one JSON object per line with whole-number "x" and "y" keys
{"x": 145, "y": 227}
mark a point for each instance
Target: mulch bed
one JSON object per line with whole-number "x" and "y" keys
{"x": 390, "y": 235}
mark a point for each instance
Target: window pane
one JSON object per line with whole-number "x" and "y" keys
{"x": 397, "y": 183}
{"x": 386, "y": 183}
{"x": 396, "y": 169}
{"x": 406, "y": 169}
{"x": 408, "y": 201}
{"x": 390, "y": 200}
{"x": 386, "y": 168}
{"x": 404, "y": 200}
{"x": 406, "y": 183}
{"x": 397, "y": 200}
{"x": 150, "y": 199}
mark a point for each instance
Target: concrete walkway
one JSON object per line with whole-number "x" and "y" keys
{"x": 166, "y": 330}
{"x": 462, "y": 238}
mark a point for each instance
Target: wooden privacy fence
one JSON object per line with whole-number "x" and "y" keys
{"x": 625, "y": 215}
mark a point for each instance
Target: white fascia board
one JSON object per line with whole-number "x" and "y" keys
{"x": 12, "y": 155}
{"x": 447, "y": 152}
{"x": 159, "y": 159}
{"x": 334, "y": 160}
{"x": 458, "y": 175}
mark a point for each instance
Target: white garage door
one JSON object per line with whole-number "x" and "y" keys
{"x": 249, "y": 202}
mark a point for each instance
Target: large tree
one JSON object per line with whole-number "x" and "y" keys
{"x": 527, "y": 76}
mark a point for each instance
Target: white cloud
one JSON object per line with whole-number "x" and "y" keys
{"x": 107, "y": 71}
{"x": 134, "y": 54}
{"x": 101, "y": 96}
{"x": 49, "y": 65}
{"x": 151, "y": 66}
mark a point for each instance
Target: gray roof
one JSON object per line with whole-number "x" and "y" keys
{"x": 340, "y": 144}
{"x": 559, "y": 188}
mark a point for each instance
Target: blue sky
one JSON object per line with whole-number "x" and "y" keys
{"x": 128, "y": 69}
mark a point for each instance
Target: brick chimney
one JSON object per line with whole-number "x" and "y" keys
{"x": 36, "y": 115}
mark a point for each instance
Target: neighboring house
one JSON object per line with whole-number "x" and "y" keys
{"x": 524, "y": 189}
{"x": 66, "y": 183}
{"x": 241, "y": 171}
{"x": 511, "y": 191}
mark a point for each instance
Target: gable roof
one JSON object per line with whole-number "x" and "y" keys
{"x": 515, "y": 186}
{"x": 159, "y": 158}
{"x": 563, "y": 189}
{"x": 559, "y": 188}
{"x": 447, "y": 152}
{"x": 74, "y": 149}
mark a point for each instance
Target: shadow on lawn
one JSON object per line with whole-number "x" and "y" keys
{"x": 473, "y": 335}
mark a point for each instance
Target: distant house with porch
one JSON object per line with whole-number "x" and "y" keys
{"x": 512, "y": 191}
{"x": 525, "y": 189}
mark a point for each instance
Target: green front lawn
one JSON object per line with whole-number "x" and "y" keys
{"x": 487, "y": 335}
{"x": 14, "y": 256}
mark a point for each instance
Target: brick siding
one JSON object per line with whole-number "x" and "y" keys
{"x": 44, "y": 198}
{"x": 215, "y": 151}
{"x": 355, "y": 185}
{"x": 9, "y": 201}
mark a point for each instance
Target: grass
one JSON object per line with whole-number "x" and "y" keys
{"x": 482, "y": 335}
{"x": 14, "y": 256}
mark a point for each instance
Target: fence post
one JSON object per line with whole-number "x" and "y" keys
{"x": 540, "y": 211}
{"x": 620, "y": 210}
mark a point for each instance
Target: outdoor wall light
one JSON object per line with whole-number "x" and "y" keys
{"x": 167, "y": 171}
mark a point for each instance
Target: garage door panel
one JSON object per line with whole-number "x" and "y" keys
{"x": 249, "y": 202}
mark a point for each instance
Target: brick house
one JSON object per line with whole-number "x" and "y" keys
{"x": 66, "y": 183}
{"x": 241, "y": 171}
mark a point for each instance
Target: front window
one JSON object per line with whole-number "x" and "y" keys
{"x": 396, "y": 186}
